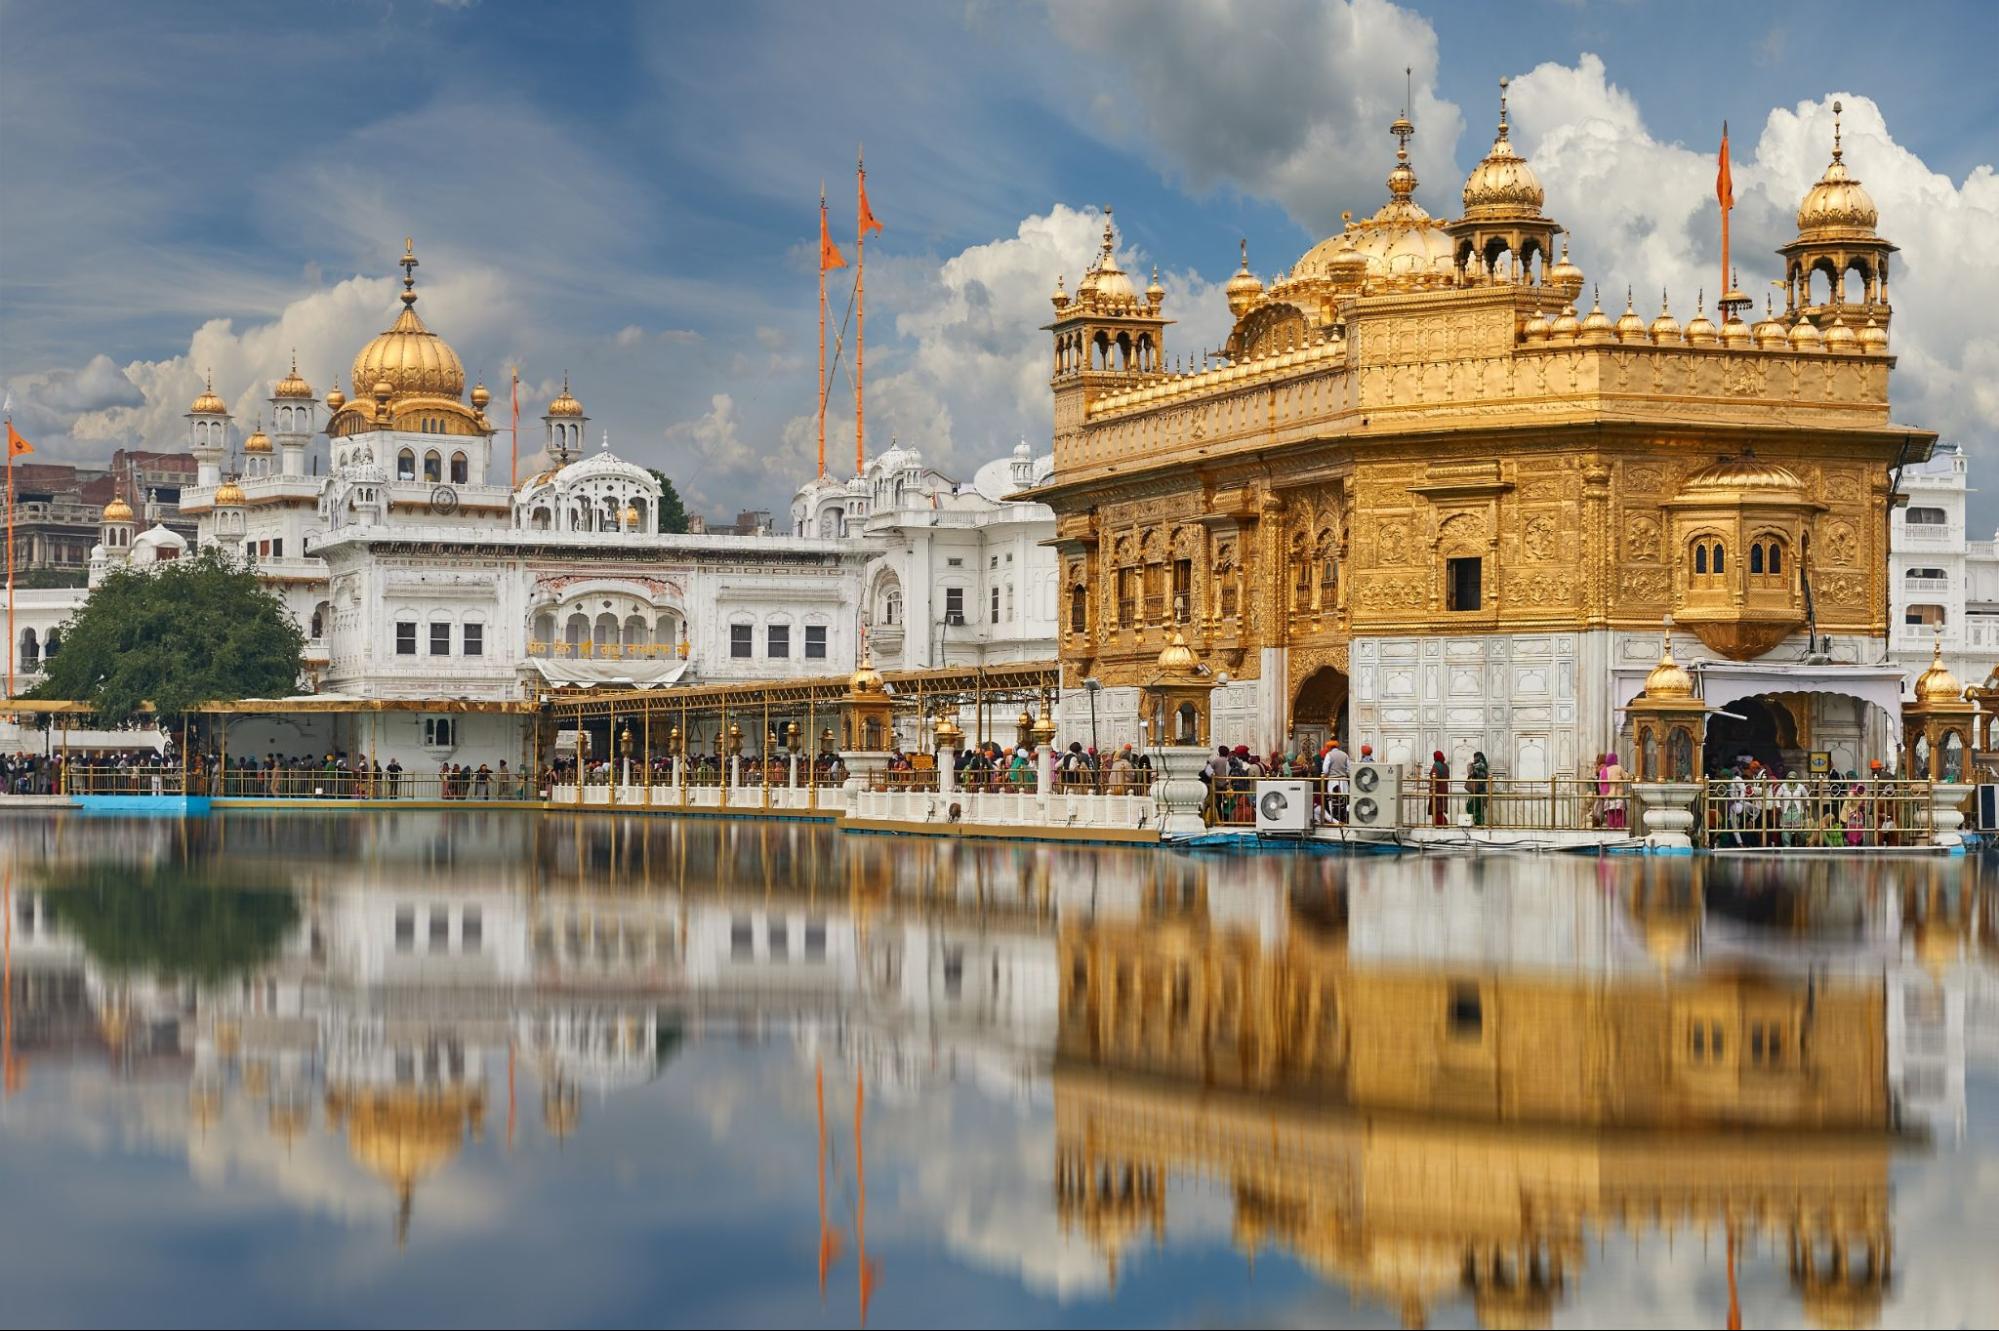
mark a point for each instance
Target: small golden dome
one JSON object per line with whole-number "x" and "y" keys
{"x": 1665, "y": 328}
{"x": 1735, "y": 333}
{"x": 1154, "y": 293}
{"x": 1061, "y": 297}
{"x": 408, "y": 357}
{"x": 117, "y": 510}
{"x": 1936, "y": 683}
{"x": 1502, "y": 185}
{"x": 1565, "y": 274}
{"x": 1596, "y": 324}
{"x": 227, "y": 494}
{"x": 1669, "y": 679}
{"x": 1631, "y": 328}
{"x": 1566, "y": 325}
{"x": 1243, "y": 290}
{"x": 335, "y": 399}
{"x": 1745, "y": 476}
{"x": 258, "y": 442}
{"x": 1106, "y": 283}
{"x": 1768, "y": 332}
{"x": 383, "y": 390}
{"x": 208, "y": 404}
{"x": 947, "y": 730}
{"x": 480, "y": 397}
{"x": 1805, "y": 336}
{"x": 565, "y": 403}
{"x": 1536, "y": 327}
{"x": 1177, "y": 656}
{"x": 292, "y": 386}
{"x": 1837, "y": 207}
{"x": 866, "y": 679}
{"x": 1700, "y": 329}
{"x": 1839, "y": 337}
{"x": 1873, "y": 338}
{"x": 1042, "y": 732}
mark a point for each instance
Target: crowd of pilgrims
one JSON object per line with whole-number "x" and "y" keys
{"x": 330, "y": 776}
{"x": 1750, "y": 804}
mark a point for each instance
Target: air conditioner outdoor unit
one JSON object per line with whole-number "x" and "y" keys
{"x": 955, "y": 618}
{"x": 1283, "y": 808}
{"x": 1377, "y": 796}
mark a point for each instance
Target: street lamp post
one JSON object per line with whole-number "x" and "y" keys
{"x": 1090, "y": 686}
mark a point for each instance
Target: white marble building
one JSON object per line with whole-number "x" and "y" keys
{"x": 1943, "y": 582}
{"x": 417, "y": 570}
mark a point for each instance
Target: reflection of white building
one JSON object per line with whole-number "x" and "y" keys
{"x": 1943, "y": 584}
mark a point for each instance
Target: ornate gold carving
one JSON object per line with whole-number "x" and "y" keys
{"x": 1540, "y": 588}
{"x": 1839, "y": 545}
{"x": 1539, "y": 536}
{"x": 1641, "y": 537}
{"x": 1644, "y": 584}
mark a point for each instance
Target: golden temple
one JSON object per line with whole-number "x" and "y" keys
{"x": 1414, "y": 449}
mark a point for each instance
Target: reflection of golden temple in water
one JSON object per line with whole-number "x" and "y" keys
{"x": 1429, "y": 1079}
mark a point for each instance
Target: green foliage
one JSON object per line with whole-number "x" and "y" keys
{"x": 672, "y": 513}
{"x": 163, "y": 920}
{"x": 179, "y": 634}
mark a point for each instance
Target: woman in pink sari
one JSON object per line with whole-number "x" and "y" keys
{"x": 1610, "y": 791}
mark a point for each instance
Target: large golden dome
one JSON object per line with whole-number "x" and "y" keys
{"x": 1403, "y": 245}
{"x": 409, "y": 357}
{"x": 1838, "y": 206}
{"x": 1669, "y": 679}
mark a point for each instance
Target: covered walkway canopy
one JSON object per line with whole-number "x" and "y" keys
{"x": 767, "y": 710}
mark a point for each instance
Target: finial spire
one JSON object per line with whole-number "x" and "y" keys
{"x": 1836, "y": 149}
{"x": 1503, "y": 82}
{"x": 294, "y": 360}
{"x": 1245, "y": 253}
{"x": 408, "y": 262}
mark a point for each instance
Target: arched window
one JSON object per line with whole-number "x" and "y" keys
{"x": 405, "y": 466}
{"x": 1720, "y": 559}
{"x": 1776, "y": 557}
{"x": 892, "y": 609}
{"x": 1079, "y": 609}
{"x": 1700, "y": 558}
{"x": 1756, "y": 558}
{"x": 433, "y": 466}
{"x": 459, "y": 470}
{"x": 52, "y": 645}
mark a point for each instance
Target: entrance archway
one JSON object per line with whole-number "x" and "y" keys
{"x": 1760, "y": 728}
{"x": 1319, "y": 712}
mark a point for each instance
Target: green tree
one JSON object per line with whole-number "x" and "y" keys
{"x": 168, "y": 920}
{"x": 177, "y": 634}
{"x": 672, "y": 513}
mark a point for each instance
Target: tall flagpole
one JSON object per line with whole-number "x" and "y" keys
{"x": 822, "y": 350}
{"x": 514, "y": 476}
{"x": 860, "y": 311}
{"x": 10, "y": 556}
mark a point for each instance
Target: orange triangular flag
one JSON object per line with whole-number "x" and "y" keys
{"x": 866, "y": 220}
{"x": 1724, "y": 180}
{"x": 16, "y": 445}
{"x": 829, "y": 253}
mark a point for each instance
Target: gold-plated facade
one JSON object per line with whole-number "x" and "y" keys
{"x": 1430, "y": 443}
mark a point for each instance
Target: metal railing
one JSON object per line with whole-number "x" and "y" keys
{"x": 1553, "y": 804}
{"x": 334, "y": 784}
{"x": 1519, "y": 804}
{"x": 1740, "y": 814}
{"x": 78, "y": 779}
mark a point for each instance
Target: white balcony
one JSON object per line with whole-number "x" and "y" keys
{"x": 1931, "y": 535}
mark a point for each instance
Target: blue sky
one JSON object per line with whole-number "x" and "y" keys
{"x": 626, "y": 192}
